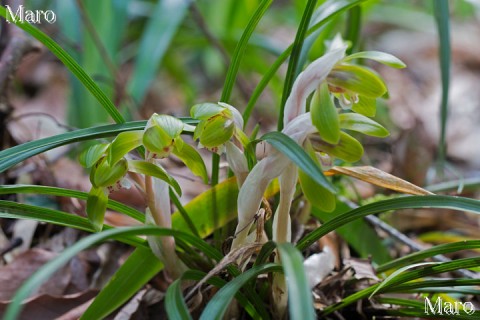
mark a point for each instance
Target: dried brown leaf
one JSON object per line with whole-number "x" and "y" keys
{"x": 379, "y": 178}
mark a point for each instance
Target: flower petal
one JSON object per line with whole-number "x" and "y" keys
{"x": 308, "y": 81}
{"x": 237, "y": 116}
{"x": 252, "y": 190}
{"x": 281, "y": 229}
{"x": 237, "y": 162}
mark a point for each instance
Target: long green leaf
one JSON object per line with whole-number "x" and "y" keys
{"x": 331, "y": 9}
{"x": 428, "y": 253}
{"x": 217, "y": 306}
{"x": 416, "y": 309}
{"x": 294, "y": 152}
{"x": 441, "y": 284}
{"x": 71, "y": 64}
{"x": 358, "y": 234}
{"x": 135, "y": 272}
{"x": 354, "y": 27}
{"x": 14, "y": 155}
{"x": 46, "y": 271}
{"x": 61, "y": 192}
{"x": 405, "y": 277}
{"x": 409, "y": 202}
{"x": 300, "y": 300}
{"x": 255, "y": 313}
{"x": 175, "y": 304}
{"x": 292, "y": 70}
{"x": 14, "y": 210}
{"x": 162, "y": 26}
{"x": 443, "y": 27}
{"x": 240, "y": 49}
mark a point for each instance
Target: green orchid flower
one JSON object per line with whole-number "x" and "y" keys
{"x": 219, "y": 123}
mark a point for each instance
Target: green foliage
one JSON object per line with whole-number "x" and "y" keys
{"x": 340, "y": 94}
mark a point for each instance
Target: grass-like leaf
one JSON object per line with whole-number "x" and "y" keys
{"x": 71, "y": 64}
{"x": 295, "y": 57}
{"x": 240, "y": 49}
{"x": 428, "y": 253}
{"x": 294, "y": 152}
{"x": 61, "y": 192}
{"x": 406, "y": 277}
{"x": 217, "y": 306}
{"x": 51, "y": 267}
{"x": 175, "y": 304}
{"x": 395, "y": 275}
{"x": 15, "y": 155}
{"x": 439, "y": 285}
{"x": 137, "y": 270}
{"x": 411, "y": 202}
{"x": 443, "y": 26}
{"x": 358, "y": 234}
{"x": 255, "y": 311}
{"x": 300, "y": 300}
{"x": 167, "y": 17}
{"x": 14, "y": 210}
{"x": 354, "y": 28}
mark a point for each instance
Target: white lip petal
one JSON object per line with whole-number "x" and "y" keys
{"x": 308, "y": 81}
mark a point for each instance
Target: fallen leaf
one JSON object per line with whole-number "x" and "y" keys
{"x": 379, "y": 178}
{"x": 47, "y": 307}
{"x": 319, "y": 265}
{"x": 14, "y": 274}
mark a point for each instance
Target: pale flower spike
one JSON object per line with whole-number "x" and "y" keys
{"x": 309, "y": 80}
{"x": 298, "y": 126}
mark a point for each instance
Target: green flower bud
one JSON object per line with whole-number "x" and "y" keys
{"x": 161, "y": 134}
{"x": 103, "y": 175}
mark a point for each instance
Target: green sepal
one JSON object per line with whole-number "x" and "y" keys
{"x": 382, "y": 57}
{"x": 172, "y": 126}
{"x": 91, "y": 155}
{"x": 365, "y": 106}
{"x": 357, "y": 79}
{"x": 317, "y": 195}
{"x": 123, "y": 144}
{"x": 347, "y": 149}
{"x": 192, "y": 159}
{"x": 216, "y": 131}
{"x": 157, "y": 141}
{"x": 204, "y": 111}
{"x": 96, "y": 206}
{"x": 153, "y": 170}
{"x": 324, "y": 115}
{"x": 104, "y": 175}
{"x": 242, "y": 137}
{"x": 360, "y": 123}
